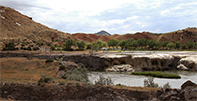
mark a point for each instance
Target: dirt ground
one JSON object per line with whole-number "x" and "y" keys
{"x": 23, "y": 70}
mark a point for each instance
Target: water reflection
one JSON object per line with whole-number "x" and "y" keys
{"x": 132, "y": 80}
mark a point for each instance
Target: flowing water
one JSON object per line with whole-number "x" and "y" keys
{"x": 133, "y": 80}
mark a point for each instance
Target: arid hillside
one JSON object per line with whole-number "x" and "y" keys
{"x": 17, "y": 26}
{"x": 22, "y": 28}
{"x": 180, "y": 35}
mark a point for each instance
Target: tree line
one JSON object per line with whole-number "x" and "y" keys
{"x": 129, "y": 44}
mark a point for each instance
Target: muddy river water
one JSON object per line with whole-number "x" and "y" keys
{"x": 132, "y": 80}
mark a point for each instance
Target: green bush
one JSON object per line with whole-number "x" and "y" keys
{"x": 120, "y": 84}
{"x": 150, "y": 82}
{"x": 9, "y": 46}
{"x": 45, "y": 80}
{"x": 62, "y": 83}
{"x": 167, "y": 85}
{"x": 157, "y": 74}
{"x": 104, "y": 81}
{"x": 52, "y": 47}
{"x": 78, "y": 74}
{"x": 49, "y": 60}
{"x": 62, "y": 67}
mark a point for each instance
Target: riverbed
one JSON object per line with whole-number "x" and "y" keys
{"x": 138, "y": 81}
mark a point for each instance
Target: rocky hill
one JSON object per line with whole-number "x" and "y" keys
{"x": 188, "y": 34}
{"x": 103, "y": 33}
{"x": 19, "y": 27}
{"x": 188, "y": 92}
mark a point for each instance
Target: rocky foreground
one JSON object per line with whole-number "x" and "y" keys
{"x": 87, "y": 92}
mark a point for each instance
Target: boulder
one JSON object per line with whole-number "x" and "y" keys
{"x": 120, "y": 68}
{"x": 190, "y": 62}
{"x": 190, "y": 93}
{"x": 169, "y": 96}
{"x": 187, "y": 83}
{"x": 182, "y": 67}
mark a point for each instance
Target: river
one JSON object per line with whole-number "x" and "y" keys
{"x": 133, "y": 80}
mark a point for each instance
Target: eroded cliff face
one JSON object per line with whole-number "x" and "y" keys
{"x": 155, "y": 62}
{"x": 136, "y": 62}
{"x": 146, "y": 62}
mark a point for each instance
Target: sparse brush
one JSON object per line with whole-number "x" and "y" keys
{"x": 104, "y": 81}
{"x": 49, "y": 60}
{"x": 78, "y": 74}
{"x": 62, "y": 67}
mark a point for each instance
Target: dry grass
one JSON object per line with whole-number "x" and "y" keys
{"x": 23, "y": 70}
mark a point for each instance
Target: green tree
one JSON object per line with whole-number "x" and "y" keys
{"x": 134, "y": 44}
{"x": 177, "y": 45}
{"x": 69, "y": 43}
{"x": 122, "y": 44}
{"x": 163, "y": 44}
{"x": 152, "y": 43}
{"x": 81, "y": 44}
{"x": 170, "y": 45}
{"x": 104, "y": 44}
{"x": 142, "y": 42}
{"x": 88, "y": 45}
{"x": 99, "y": 44}
{"x": 128, "y": 43}
{"x": 189, "y": 44}
{"x": 195, "y": 45}
{"x": 183, "y": 46}
{"x": 112, "y": 43}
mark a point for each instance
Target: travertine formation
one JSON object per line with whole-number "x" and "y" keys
{"x": 137, "y": 62}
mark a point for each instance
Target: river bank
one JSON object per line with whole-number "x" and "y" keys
{"x": 138, "y": 81}
{"x": 86, "y": 92}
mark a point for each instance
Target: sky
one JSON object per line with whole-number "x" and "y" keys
{"x": 113, "y": 16}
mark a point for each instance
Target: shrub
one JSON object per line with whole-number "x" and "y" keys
{"x": 58, "y": 59}
{"x": 150, "y": 82}
{"x": 78, "y": 74}
{"x": 59, "y": 49}
{"x": 167, "y": 85}
{"x": 9, "y": 46}
{"x": 62, "y": 83}
{"x": 45, "y": 80}
{"x": 157, "y": 74}
{"x": 52, "y": 47}
{"x": 62, "y": 67}
{"x": 104, "y": 81}
{"x": 39, "y": 43}
{"x": 120, "y": 84}
{"x": 49, "y": 60}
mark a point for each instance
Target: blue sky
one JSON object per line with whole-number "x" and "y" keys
{"x": 114, "y": 16}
